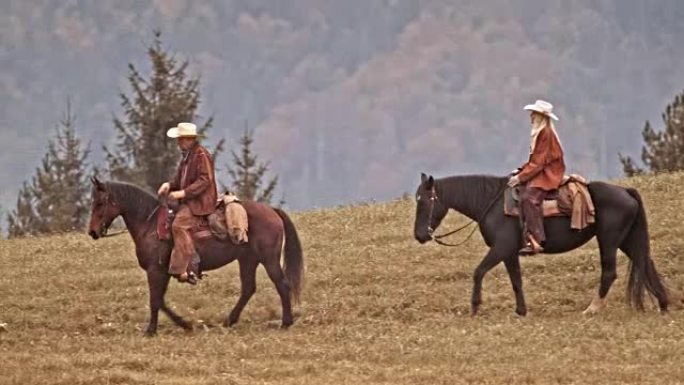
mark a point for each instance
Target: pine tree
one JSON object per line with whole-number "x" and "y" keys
{"x": 144, "y": 155}
{"x": 247, "y": 173}
{"x": 23, "y": 220}
{"x": 663, "y": 151}
{"x": 56, "y": 200}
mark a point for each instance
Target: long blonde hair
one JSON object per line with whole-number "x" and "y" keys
{"x": 539, "y": 121}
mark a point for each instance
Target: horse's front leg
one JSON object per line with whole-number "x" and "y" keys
{"x": 513, "y": 267}
{"x": 157, "y": 288}
{"x": 490, "y": 260}
{"x": 158, "y": 282}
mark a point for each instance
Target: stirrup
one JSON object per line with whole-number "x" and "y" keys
{"x": 530, "y": 250}
{"x": 190, "y": 278}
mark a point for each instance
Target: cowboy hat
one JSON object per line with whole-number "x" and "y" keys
{"x": 543, "y": 107}
{"x": 183, "y": 130}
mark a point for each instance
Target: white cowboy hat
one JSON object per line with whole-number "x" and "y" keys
{"x": 183, "y": 130}
{"x": 543, "y": 107}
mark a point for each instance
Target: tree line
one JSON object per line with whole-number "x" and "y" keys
{"x": 57, "y": 197}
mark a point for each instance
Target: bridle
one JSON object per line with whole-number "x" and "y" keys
{"x": 105, "y": 228}
{"x": 434, "y": 198}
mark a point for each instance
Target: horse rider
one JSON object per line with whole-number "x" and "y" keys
{"x": 194, "y": 186}
{"x": 542, "y": 174}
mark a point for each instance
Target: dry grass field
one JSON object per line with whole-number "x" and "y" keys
{"x": 377, "y": 308}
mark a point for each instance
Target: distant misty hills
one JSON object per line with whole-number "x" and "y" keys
{"x": 352, "y": 100}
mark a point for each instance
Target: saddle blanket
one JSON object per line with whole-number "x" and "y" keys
{"x": 572, "y": 199}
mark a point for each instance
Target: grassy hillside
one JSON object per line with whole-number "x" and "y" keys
{"x": 377, "y": 308}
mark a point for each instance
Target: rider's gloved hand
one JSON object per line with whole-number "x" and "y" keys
{"x": 164, "y": 188}
{"x": 178, "y": 195}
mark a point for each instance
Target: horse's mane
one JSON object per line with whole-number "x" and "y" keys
{"x": 476, "y": 184}
{"x": 472, "y": 193}
{"x": 130, "y": 196}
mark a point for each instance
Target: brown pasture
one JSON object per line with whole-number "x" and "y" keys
{"x": 377, "y": 308}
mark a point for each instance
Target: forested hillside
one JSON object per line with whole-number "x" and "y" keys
{"x": 352, "y": 99}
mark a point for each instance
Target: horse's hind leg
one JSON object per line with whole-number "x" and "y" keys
{"x": 275, "y": 272}
{"x": 608, "y": 276}
{"x": 248, "y": 267}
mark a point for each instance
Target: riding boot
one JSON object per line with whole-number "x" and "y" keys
{"x": 194, "y": 266}
{"x": 531, "y": 248}
{"x": 533, "y": 220}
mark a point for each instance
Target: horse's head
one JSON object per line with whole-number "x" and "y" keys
{"x": 429, "y": 210}
{"x": 103, "y": 209}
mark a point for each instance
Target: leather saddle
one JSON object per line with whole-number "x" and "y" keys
{"x": 572, "y": 199}
{"x": 550, "y": 206}
{"x": 165, "y": 221}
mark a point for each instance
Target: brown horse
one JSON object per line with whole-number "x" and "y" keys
{"x": 268, "y": 229}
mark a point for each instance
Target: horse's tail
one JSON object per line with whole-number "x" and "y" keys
{"x": 642, "y": 271}
{"x": 294, "y": 260}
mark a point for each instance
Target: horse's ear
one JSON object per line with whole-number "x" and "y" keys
{"x": 423, "y": 177}
{"x": 430, "y": 183}
{"x": 96, "y": 182}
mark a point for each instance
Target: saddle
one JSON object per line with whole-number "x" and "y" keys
{"x": 572, "y": 199}
{"x": 228, "y": 221}
{"x": 165, "y": 221}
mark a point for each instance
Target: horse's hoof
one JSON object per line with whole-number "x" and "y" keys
{"x": 597, "y": 305}
{"x": 187, "y": 326}
{"x": 150, "y": 333}
{"x": 521, "y": 312}
{"x": 591, "y": 311}
{"x": 229, "y": 322}
{"x": 286, "y": 323}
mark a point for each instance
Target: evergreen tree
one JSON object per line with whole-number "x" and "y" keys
{"x": 247, "y": 173}
{"x": 663, "y": 151}
{"x": 56, "y": 200}
{"x": 144, "y": 155}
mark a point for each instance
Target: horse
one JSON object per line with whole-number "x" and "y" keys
{"x": 620, "y": 223}
{"x": 269, "y": 228}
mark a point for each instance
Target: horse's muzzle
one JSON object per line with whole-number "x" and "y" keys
{"x": 422, "y": 239}
{"x": 96, "y": 234}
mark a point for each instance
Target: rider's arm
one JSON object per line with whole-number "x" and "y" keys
{"x": 175, "y": 182}
{"x": 205, "y": 175}
{"x": 539, "y": 158}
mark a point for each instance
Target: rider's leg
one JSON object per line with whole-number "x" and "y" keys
{"x": 533, "y": 219}
{"x": 183, "y": 250}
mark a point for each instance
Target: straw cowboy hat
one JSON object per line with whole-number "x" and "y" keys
{"x": 183, "y": 130}
{"x": 543, "y": 107}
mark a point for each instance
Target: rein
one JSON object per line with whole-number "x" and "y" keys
{"x": 162, "y": 202}
{"x": 124, "y": 231}
{"x": 437, "y": 238}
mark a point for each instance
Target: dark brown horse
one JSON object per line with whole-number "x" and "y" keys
{"x": 620, "y": 224}
{"x": 268, "y": 229}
